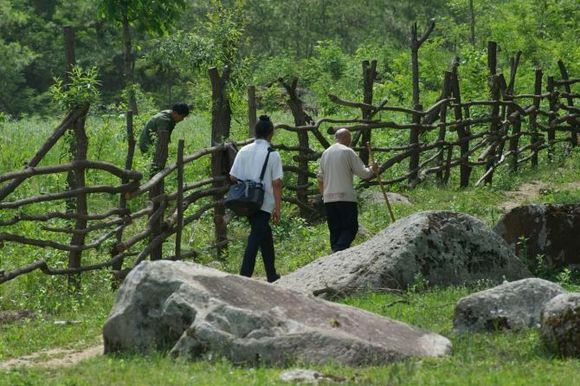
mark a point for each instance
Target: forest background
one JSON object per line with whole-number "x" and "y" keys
{"x": 322, "y": 41}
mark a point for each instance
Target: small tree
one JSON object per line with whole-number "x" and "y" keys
{"x": 150, "y": 17}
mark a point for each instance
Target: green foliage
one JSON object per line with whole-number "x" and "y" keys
{"x": 82, "y": 89}
{"x": 322, "y": 42}
{"x": 153, "y": 17}
{"x": 14, "y": 58}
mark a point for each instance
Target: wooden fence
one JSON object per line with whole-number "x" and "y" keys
{"x": 442, "y": 138}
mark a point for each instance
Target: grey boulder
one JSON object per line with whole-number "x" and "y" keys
{"x": 193, "y": 311}
{"x": 560, "y": 324}
{"x": 514, "y": 305}
{"x": 445, "y": 248}
{"x": 548, "y": 230}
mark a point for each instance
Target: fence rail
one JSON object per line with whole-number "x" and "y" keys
{"x": 444, "y": 137}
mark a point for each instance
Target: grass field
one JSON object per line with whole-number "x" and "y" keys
{"x": 65, "y": 320}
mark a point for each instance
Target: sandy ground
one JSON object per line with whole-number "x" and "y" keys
{"x": 53, "y": 358}
{"x": 529, "y": 192}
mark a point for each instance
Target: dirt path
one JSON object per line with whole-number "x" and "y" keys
{"x": 529, "y": 192}
{"x": 53, "y": 358}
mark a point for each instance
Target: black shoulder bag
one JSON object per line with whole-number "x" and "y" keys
{"x": 246, "y": 197}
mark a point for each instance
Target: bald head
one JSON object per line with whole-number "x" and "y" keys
{"x": 343, "y": 137}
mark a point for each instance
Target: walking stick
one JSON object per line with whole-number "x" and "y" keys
{"x": 378, "y": 176}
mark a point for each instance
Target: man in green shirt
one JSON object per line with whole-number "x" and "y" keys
{"x": 164, "y": 120}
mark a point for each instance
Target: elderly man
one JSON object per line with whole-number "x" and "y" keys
{"x": 338, "y": 164}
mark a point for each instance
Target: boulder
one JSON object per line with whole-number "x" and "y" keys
{"x": 309, "y": 376}
{"x": 193, "y": 311}
{"x": 514, "y": 305}
{"x": 444, "y": 248}
{"x": 378, "y": 198}
{"x": 548, "y": 230}
{"x": 560, "y": 324}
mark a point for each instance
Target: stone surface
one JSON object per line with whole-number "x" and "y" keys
{"x": 193, "y": 311}
{"x": 309, "y": 377}
{"x": 377, "y": 197}
{"x": 549, "y": 230}
{"x": 445, "y": 248}
{"x": 515, "y": 305}
{"x": 560, "y": 324}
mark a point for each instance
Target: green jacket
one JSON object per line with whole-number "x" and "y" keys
{"x": 160, "y": 121}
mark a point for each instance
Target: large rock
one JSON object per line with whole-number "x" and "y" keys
{"x": 446, "y": 248}
{"x": 514, "y": 305}
{"x": 548, "y": 230}
{"x": 378, "y": 198}
{"x": 193, "y": 311}
{"x": 560, "y": 324}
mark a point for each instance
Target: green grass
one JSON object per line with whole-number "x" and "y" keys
{"x": 501, "y": 358}
{"x": 506, "y": 358}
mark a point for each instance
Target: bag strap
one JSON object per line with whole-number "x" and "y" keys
{"x": 265, "y": 164}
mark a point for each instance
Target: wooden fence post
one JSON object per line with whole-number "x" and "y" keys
{"x": 516, "y": 126}
{"x": 179, "y": 204}
{"x": 492, "y": 57}
{"x": 535, "y": 138}
{"x": 118, "y": 265}
{"x": 415, "y": 45}
{"x": 78, "y": 238}
{"x": 414, "y": 143}
{"x": 69, "y": 49}
{"x": 252, "y": 110}
{"x": 220, "y": 130}
{"x": 463, "y": 131}
{"x": 369, "y": 71}
{"x": 493, "y": 129}
{"x": 552, "y": 115}
{"x": 495, "y": 92}
{"x": 301, "y": 118}
{"x": 570, "y": 100}
{"x": 70, "y": 61}
{"x": 156, "y": 219}
{"x": 445, "y": 93}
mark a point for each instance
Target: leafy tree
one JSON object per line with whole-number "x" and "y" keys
{"x": 150, "y": 17}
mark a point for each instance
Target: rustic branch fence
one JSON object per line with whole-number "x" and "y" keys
{"x": 437, "y": 145}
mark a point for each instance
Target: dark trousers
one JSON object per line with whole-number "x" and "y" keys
{"x": 342, "y": 219}
{"x": 260, "y": 238}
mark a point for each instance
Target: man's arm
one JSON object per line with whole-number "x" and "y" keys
{"x": 320, "y": 175}
{"x": 359, "y": 168}
{"x": 277, "y": 188}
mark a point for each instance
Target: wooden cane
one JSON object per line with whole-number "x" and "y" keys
{"x": 378, "y": 176}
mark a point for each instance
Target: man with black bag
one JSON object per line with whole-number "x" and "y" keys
{"x": 254, "y": 164}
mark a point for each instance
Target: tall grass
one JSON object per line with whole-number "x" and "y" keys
{"x": 507, "y": 358}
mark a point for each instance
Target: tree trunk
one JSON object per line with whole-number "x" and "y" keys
{"x": 78, "y": 238}
{"x": 300, "y": 119}
{"x": 129, "y": 66}
{"x": 471, "y": 23}
{"x": 220, "y": 130}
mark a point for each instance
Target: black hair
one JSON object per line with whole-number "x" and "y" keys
{"x": 264, "y": 127}
{"x": 181, "y": 109}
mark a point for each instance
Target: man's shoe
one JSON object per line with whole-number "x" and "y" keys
{"x": 275, "y": 278}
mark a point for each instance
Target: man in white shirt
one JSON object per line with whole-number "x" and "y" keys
{"x": 248, "y": 166}
{"x": 338, "y": 164}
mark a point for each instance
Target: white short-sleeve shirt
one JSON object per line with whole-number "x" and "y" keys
{"x": 248, "y": 166}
